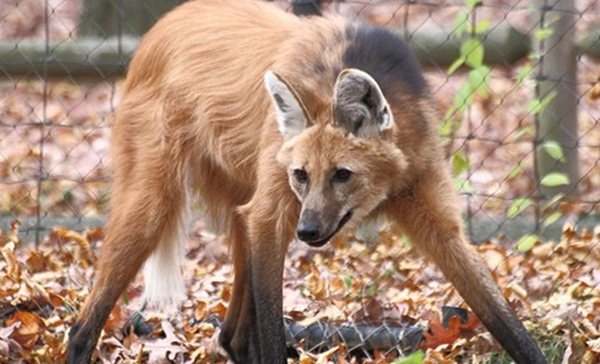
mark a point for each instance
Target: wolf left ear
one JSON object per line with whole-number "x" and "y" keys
{"x": 290, "y": 112}
{"x": 359, "y": 105}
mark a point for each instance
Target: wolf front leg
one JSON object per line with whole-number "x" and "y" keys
{"x": 270, "y": 219}
{"x": 268, "y": 258}
{"x": 429, "y": 214}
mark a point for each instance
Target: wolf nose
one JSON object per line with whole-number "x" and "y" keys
{"x": 308, "y": 231}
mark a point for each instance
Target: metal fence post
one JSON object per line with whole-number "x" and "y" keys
{"x": 556, "y": 92}
{"x": 306, "y": 7}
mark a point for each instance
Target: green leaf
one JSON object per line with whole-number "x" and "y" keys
{"x": 524, "y": 73}
{"x": 546, "y": 100}
{"x": 450, "y": 113}
{"x": 551, "y": 219}
{"x": 461, "y": 23}
{"x": 459, "y": 163}
{"x": 480, "y": 27}
{"x": 372, "y": 290}
{"x": 464, "y": 187}
{"x": 536, "y": 55}
{"x": 472, "y": 50}
{"x": 527, "y": 129}
{"x": 478, "y": 80}
{"x": 445, "y": 128}
{"x": 543, "y": 33}
{"x": 463, "y": 98}
{"x": 554, "y": 200}
{"x": 348, "y": 281}
{"x": 516, "y": 170}
{"x": 455, "y": 65}
{"x": 518, "y": 206}
{"x": 527, "y": 242}
{"x": 555, "y": 179}
{"x": 555, "y": 150}
{"x": 472, "y": 3}
{"x": 414, "y": 358}
{"x": 536, "y": 106}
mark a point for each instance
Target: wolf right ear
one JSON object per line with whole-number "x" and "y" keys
{"x": 359, "y": 105}
{"x": 290, "y": 112}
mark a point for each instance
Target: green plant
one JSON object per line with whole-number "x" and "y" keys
{"x": 476, "y": 86}
{"x": 472, "y": 54}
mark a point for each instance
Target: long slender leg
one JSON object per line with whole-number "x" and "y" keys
{"x": 430, "y": 215}
{"x": 134, "y": 233}
{"x": 148, "y": 204}
{"x": 234, "y": 333}
{"x": 268, "y": 257}
{"x": 270, "y": 218}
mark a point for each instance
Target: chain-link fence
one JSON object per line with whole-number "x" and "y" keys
{"x": 517, "y": 84}
{"x": 525, "y": 112}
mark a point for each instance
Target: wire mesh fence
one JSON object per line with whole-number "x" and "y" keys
{"x": 517, "y": 84}
{"x": 63, "y": 61}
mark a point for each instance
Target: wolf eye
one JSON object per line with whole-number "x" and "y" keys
{"x": 342, "y": 175}
{"x": 300, "y": 175}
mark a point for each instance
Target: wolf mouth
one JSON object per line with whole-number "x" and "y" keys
{"x": 322, "y": 242}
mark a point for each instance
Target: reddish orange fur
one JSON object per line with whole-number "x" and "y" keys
{"x": 195, "y": 113}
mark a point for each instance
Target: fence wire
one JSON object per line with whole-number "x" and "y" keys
{"x": 56, "y": 109}
{"x": 62, "y": 64}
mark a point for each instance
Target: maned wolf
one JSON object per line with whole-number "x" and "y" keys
{"x": 344, "y": 131}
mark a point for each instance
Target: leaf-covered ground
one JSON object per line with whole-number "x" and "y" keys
{"x": 60, "y": 129}
{"x": 554, "y": 287}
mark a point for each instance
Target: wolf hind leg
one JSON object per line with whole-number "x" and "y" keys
{"x": 134, "y": 234}
{"x": 164, "y": 285}
{"x": 148, "y": 209}
{"x": 237, "y": 332}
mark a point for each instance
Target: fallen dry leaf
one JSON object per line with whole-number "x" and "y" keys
{"x": 165, "y": 349}
{"x": 324, "y": 358}
{"x": 358, "y": 284}
{"x": 315, "y": 284}
{"x": 29, "y": 329}
{"x": 7, "y": 344}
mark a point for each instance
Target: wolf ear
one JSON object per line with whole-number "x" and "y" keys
{"x": 359, "y": 105}
{"x": 290, "y": 112}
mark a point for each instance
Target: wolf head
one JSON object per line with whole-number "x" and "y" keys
{"x": 343, "y": 168}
